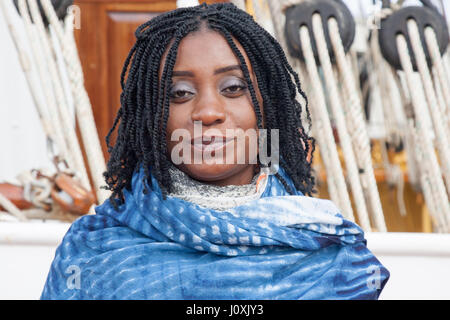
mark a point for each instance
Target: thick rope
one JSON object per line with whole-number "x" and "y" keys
{"x": 394, "y": 176}
{"x": 84, "y": 112}
{"x": 26, "y": 65}
{"x": 318, "y": 132}
{"x": 413, "y": 163}
{"x": 69, "y": 132}
{"x": 279, "y": 20}
{"x": 418, "y": 171}
{"x": 446, "y": 63}
{"x": 262, "y": 15}
{"x": 337, "y": 110}
{"x": 353, "y": 62}
{"x": 11, "y": 208}
{"x": 43, "y": 193}
{"x": 440, "y": 97}
{"x": 324, "y": 134}
{"x": 429, "y": 200}
{"x": 441, "y": 134}
{"x": 358, "y": 133}
{"x": 327, "y": 145}
{"x": 36, "y": 190}
{"x": 39, "y": 214}
{"x": 394, "y": 121}
{"x": 425, "y": 141}
{"x": 7, "y": 217}
{"x": 385, "y": 80}
{"x": 425, "y": 180}
{"x": 51, "y": 110}
{"x": 438, "y": 66}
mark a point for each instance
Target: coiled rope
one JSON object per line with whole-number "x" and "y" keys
{"x": 84, "y": 113}
{"x": 429, "y": 165}
{"x": 441, "y": 134}
{"x": 439, "y": 68}
{"x": 358, "y": 130}
{"x": 324, "y": 132}
{"x": 69, "y": 133}
{"x": 49, "y": 110}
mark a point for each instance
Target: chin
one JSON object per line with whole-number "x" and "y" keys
{"x": 212, "y": 172}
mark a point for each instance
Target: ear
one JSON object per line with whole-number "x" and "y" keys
{"x": 309, "y": 155}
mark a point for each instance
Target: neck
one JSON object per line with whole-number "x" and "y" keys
{"x": 233, "y": 192}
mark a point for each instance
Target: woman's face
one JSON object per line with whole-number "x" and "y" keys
{"x": 209, "y": 86}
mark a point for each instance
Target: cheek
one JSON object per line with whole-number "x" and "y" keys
{"x": 245, "y": 118}
{"x": 244, "y": 114}
{"x": 175, "y": 121}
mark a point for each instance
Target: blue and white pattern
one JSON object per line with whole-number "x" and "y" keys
{"x": 279, "y": 246}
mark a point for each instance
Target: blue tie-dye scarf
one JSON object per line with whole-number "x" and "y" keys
{"x": 280, "y": 246}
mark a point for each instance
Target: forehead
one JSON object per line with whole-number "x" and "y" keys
{"x": 205, "y": 50}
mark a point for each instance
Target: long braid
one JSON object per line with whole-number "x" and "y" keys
{"x": 144, "y": 111}
{"x": 156, "y": 133}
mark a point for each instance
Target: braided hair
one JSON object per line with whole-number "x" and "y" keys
{"x": 141, "y": 139}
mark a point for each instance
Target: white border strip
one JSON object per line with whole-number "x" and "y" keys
{"x": 32, "y": 233}
{"x": 409, "y": 244}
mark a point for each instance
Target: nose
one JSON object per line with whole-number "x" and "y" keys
{"x": 209, "y": 109}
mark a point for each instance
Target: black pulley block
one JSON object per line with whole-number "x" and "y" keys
{"x": 60, "y": 6}
{"x": 396, "y": 23}
{"x": 301, "y": 15}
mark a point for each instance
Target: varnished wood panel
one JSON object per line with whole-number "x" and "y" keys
{"x": 120, "y": 25}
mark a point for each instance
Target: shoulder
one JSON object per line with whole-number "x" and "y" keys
{"x": 279, "y": 180}
{"x": 88, "y": 238}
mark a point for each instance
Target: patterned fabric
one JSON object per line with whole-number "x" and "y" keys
{"x": 279, "y": 246}
{"x": 215, "y": 197}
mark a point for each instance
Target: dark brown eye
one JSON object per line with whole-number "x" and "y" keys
{"x": 181, "y": 91}
{"x": 180, "y": 94}
{"x": 234, "y": 89}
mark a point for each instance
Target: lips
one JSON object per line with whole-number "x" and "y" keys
{"x": 206, "y": 143}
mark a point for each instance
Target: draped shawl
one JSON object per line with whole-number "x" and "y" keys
{"x": 279, "y": 246}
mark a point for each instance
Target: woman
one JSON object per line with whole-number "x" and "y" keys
{"x": 238, "y": 227}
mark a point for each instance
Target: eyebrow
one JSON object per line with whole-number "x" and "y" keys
{"x": 217, "y": 71}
